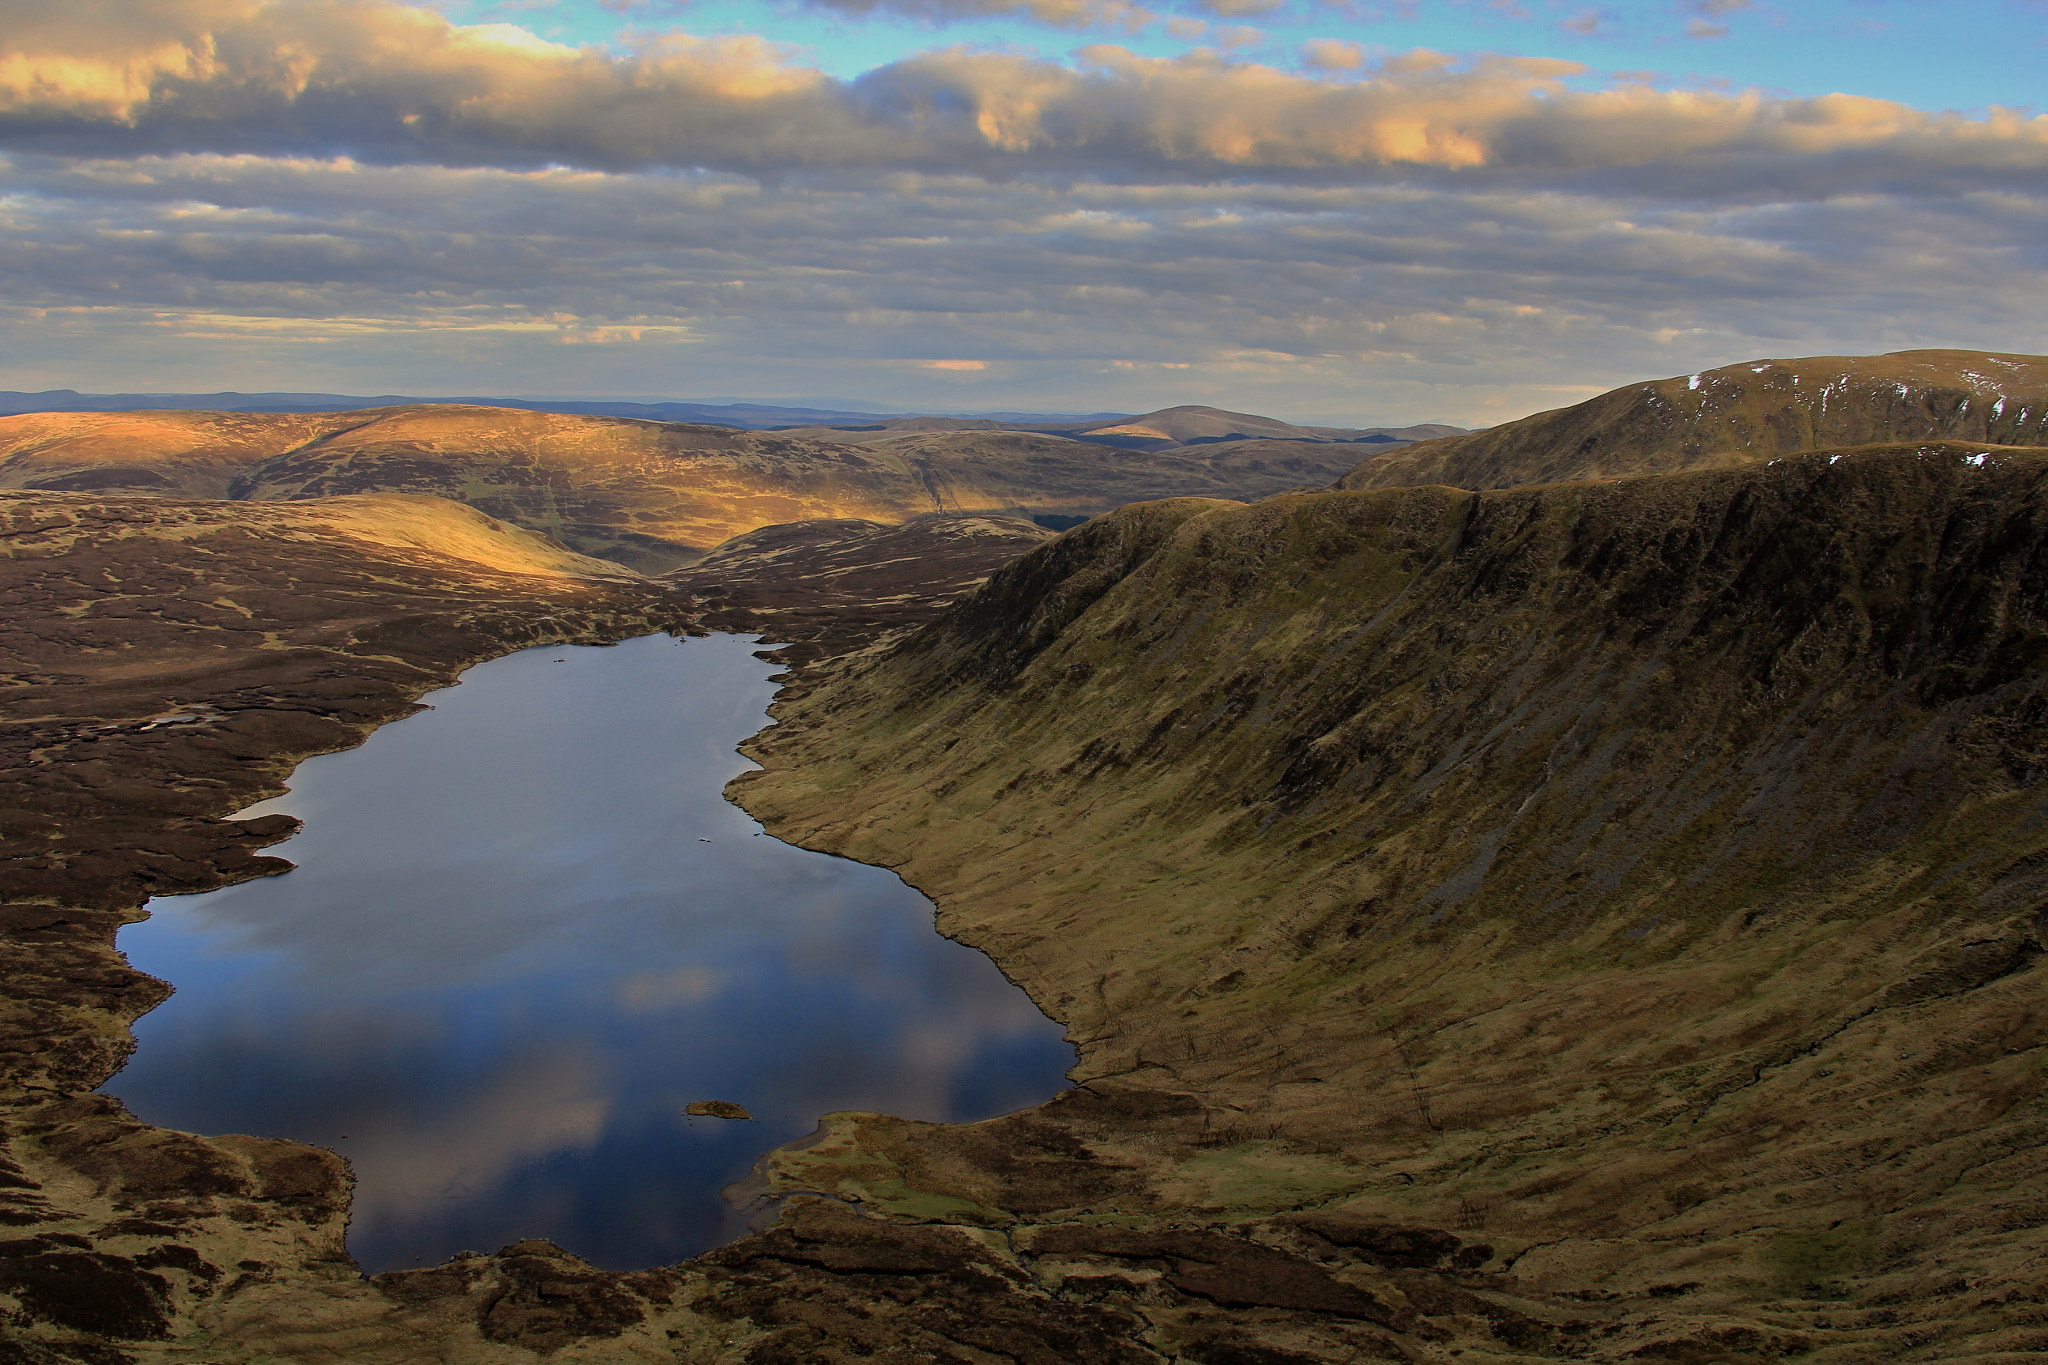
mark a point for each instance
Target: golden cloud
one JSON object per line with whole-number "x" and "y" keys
{"x": 391, "y": 82}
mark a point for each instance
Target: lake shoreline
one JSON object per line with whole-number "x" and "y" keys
{"x": 524, "y": 932}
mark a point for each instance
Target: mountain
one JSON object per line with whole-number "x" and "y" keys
{"x": 1595, "y": 921}
{"x": 1760, "y": 410}
{"x": 651, "y": 495}
{"x": 1186, "y": 426}
{"x": 1166, "y": 429}
{"x": 1640, "y": 877}
{"x": 744, "y": 416}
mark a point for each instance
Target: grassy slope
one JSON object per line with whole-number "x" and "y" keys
{"x": 1740, "y": 414}
{"x": 650, "y": 495}
{"x": 1645, "y": 873}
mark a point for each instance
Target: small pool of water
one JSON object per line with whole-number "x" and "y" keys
{"x": 525, "y": 931}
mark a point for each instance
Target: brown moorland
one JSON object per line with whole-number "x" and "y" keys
{"x": 651, "y": 495}
{"x": 1597, "y": 921}
{"x": 1641, "y": 877}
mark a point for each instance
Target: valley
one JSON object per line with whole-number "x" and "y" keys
{"x": 654, "y": 496}
{"x": 1565, "y": 891}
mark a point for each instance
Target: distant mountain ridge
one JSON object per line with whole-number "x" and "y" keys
{"x": 742, "y": 416}
{"x": 1165, "y": 429}
{"x": 1740, "y": 414}
{"x": 653, "y": 496}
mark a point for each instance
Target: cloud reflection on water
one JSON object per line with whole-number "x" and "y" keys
{"x": 524, "y": 932}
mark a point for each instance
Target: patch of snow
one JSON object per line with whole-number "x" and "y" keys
{"x": 1977, "y": 459}
{"x": 1693, "y": 382}
{"x": 1758, "y": 369}
{"x": 1833, "y": 458}
{"x": 1999, "y": 406}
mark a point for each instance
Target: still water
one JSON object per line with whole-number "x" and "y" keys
{"x": 524, "y": 932}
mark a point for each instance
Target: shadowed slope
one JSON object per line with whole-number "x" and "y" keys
{"x": 1739, "y": 414}
{"x": 830, "y": 586}
{"x": 1645, "y": 873}
{"x": 1024, "y": 473}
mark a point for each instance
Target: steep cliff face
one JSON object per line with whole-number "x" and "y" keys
{"x": 1740, "y": 414}
{"x": 1647, "y": 873}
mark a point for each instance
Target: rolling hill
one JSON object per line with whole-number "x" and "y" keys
{"x": 1167, "y": 429}
{"x": 651, "y": 495}
{"x": 1739, "y": 414}
{"x": 1598, "y": 920}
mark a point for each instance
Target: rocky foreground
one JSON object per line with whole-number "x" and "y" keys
{"x": 1590, "y": 921}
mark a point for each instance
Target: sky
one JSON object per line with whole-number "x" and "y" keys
{"x": 1353, "y": 212}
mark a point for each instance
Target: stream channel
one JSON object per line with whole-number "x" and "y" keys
{"x": 525, "y": 931}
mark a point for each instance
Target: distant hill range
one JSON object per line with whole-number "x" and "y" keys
{"x": 1166, "y": 429}
{"x": 657, "y": 495}
{"x": 741, "y": 416}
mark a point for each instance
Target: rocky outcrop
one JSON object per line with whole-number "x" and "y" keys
{"x": 1639, "y": 875}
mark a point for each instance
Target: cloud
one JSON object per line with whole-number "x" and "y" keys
{"x": 1405, "y": 302}
{"x": 358, "y": 196}
{"x": 1238, "y": 9}
{"x": 392, "y": 83}
{"x": 1076, "y": 14}
{"x": 1705, "y": 28}
{"x": 1333, "y": 54}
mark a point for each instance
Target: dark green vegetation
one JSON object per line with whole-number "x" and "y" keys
{"x": 1565, "y": 920}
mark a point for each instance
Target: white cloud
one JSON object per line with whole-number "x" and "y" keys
{"x": 359, "y": 196}
{"x": 1396, "y": 301}
{"x": 1333, "y": 54}
{"x": 389, "y": 82}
